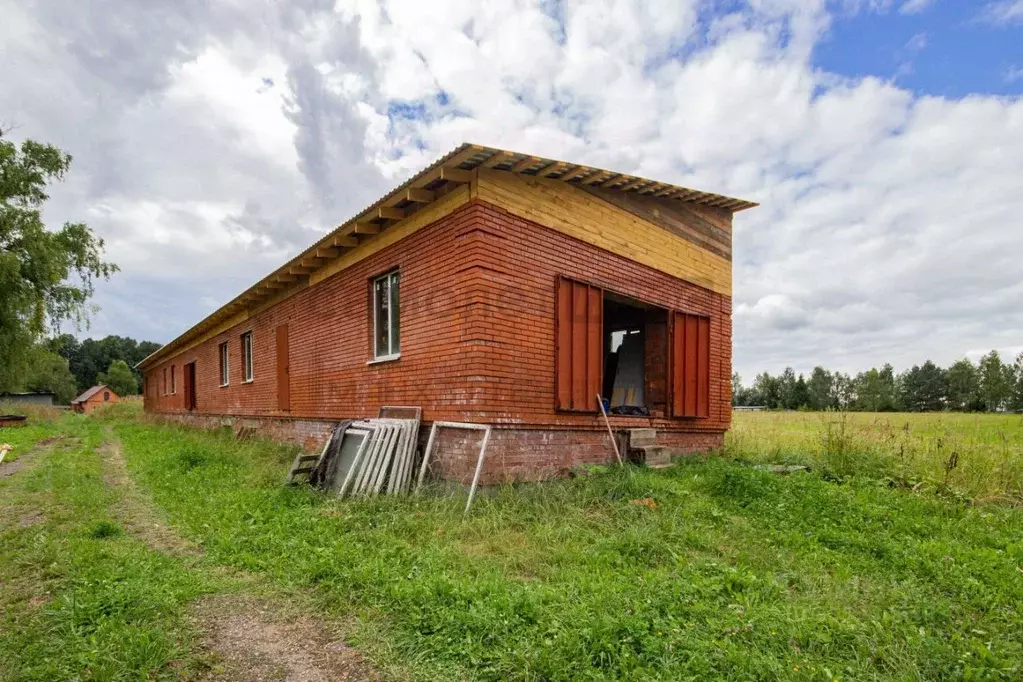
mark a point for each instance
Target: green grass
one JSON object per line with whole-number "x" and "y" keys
{"x": 735, "y": 574}
{"x": 732, "y": 573}
{"x": 975, "y": 455}
{"x": 79, "y": 599}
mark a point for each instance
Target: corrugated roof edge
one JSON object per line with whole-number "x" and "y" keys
{"x": 550, "y": 168}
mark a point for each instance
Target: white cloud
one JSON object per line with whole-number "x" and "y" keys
{"x": 1012, "y": 74}
{"x": 915, "y": 6}
{"x": 1002, "y": 12}
{"x": 884, "y": 231}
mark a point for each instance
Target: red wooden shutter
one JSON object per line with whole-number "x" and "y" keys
{"x": 690, "y": 366}
{"x": 283, "y": 370}
{"x": 578, "y": 359}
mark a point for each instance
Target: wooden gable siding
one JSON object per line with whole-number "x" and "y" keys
{"x": 707, "y": 228}
{"x": 589, "y": 218}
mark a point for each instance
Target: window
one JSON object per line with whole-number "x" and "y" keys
{"x": 690, "y": 380}
{"x": 224, "y": 373}
{"x": 611, "y": 345}
{"x": 247, "y": 357}
{"x": 106, "y": 397}
{"x": 386, "y": 335}
{"x": 165, "y": 381}
{"x": 174, "y": 385}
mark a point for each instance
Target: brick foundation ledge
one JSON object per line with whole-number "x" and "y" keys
{"x": 514, "y": 454}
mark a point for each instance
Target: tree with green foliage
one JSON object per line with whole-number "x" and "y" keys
{"x": 995, "y": 382}
{"x": 1016, "y": 401}
{"x": 46, "y": 277}
{"x": 120, "y": 378}
{"x": 963, "y": 386}
{"x": 923, "y": 388}
{"x": 89, "y": 358}
{"x": 766, "y": 390}
{"x": 819, "y": 390}
{"x": 876, "y": 391}
{"x": 47, "y": 372}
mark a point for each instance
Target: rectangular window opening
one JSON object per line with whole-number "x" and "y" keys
{"x": 225, "y": 375}
{"x": 247, "y": 372}
{"x": 174, "y": 386}
{"x": 386, "y": 317}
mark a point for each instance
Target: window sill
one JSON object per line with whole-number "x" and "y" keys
{"x": 248, "y": 381}
{"x": 384, "y": 358}
{"x": 224, "y": 385}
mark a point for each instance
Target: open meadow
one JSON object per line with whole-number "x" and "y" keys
{"x": 118, "y": 534}
{"x": 976, "y": 455}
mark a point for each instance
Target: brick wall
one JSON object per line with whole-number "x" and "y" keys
{"x": 477, "y": 344}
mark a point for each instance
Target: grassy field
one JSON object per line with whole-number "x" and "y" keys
{"x": 975, "y": 455}
{"x": 708, "y": 570}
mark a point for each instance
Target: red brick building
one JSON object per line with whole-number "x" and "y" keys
{"x": 492, "y": 287}
{"x": 97, "y": 396}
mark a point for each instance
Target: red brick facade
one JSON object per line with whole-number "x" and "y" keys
{"x": 477, "y": 344}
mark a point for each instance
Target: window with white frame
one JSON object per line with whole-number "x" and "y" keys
{"x": 386, "y": 334}
{"x": 247, "y": 356}
{"x": 225, "y": 375}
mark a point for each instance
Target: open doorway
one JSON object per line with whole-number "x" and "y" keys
{"x": 636, "y": 357}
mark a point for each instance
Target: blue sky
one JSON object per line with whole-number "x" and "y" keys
{"x": 882, "y": 138}
{"x": 947, "y": 48}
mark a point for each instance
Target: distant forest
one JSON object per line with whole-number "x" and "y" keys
{"x": 89, "y": 358}
{"x": 991, "y": 385}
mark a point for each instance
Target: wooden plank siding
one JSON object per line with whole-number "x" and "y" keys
{"x": 705, "y": 227}
{"x": 584, "y": 216}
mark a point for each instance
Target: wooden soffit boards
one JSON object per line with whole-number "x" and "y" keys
{"x": 589, "y": 218}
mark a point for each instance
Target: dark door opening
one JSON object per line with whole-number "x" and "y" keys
{"x": 636, "y": 357}
{"x": 190, "y": 402}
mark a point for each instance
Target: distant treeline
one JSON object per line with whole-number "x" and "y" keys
{"x": 89, "y": 358}
{"x": 988, "y": 386}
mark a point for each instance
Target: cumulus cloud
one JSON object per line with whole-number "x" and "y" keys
{"x": 212, "y": 141}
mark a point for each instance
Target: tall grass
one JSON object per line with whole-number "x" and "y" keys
{"x": 723, "y": 572}
{"x": 976, "y": 455}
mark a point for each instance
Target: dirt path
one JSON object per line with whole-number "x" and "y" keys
{"x": 255, "y": 638}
